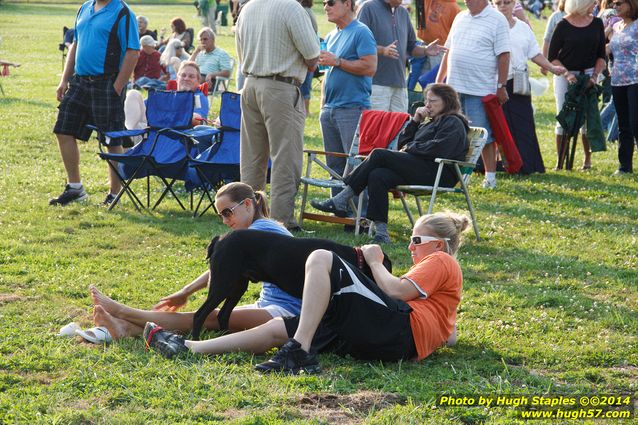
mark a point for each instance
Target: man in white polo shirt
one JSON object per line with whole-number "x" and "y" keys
{"x": 476, "y": 65}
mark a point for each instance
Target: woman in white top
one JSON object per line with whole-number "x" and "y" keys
{"x": 518, "y": 110}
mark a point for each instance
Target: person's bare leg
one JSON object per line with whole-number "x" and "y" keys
{"x": 70, "y": 156}
{"x": 175, "y": 321}
{"x": 118, "y": 328}
{"x": 587, "y": 152}
{"x": 317, "y": 289}
{"x": 240, "y": 319}
{"x": 489, "y": 157}
{"x": 114, "y": 181}
{"x": 256, "y": 340}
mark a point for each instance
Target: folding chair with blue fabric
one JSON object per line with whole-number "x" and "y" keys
{"x": 219, "y": 164}
{"x": 165, "y": 150}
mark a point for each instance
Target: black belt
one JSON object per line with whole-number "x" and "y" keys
{"x": 289, "y": 80}
{"x": 102, "y": 77}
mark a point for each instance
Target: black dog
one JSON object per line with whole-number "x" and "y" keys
{"x": 254, "y": 255}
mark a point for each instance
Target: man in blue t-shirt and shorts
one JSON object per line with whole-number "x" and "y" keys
{"x": 91, "y": 91}
{"x": 352, "y": 57}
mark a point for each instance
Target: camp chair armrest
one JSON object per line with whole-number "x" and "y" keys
{"x": 186, "y": 139}
{"x": 335, "y": 154}
{"x": 453, "y": 161}
{"x": 116, "y": 134}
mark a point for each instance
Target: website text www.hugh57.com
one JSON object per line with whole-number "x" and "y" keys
{"x": 575, "y": 414}
{"x": 547, "y": 406}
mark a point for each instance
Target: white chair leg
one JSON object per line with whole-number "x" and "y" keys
{"x": 418, "y": 205}
{"x": 432, "y": 199}
{"x": 471, "y": 209}
{"x": 406, "y": 207}
{"x": 304, "y": 198}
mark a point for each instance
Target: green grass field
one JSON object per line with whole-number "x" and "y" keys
{"x": 549, "y": 303}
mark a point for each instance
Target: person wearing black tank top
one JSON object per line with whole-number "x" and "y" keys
{"x": 578, "y": 44}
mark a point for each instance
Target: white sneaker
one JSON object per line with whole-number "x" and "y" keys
{"x": 489, "y": 184}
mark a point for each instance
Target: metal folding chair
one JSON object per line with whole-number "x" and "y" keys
{"x": 463, "y": 169}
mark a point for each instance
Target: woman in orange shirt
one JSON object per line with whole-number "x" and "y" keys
{"x": 396, "y": 318}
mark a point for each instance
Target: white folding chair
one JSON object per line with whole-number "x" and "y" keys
{"x": 222, "y": 81}
{"x": 463, "y": 169}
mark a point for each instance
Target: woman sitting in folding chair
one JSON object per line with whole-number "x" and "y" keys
{"x": 444, "y": 135}
{"x": 240, "y": 208}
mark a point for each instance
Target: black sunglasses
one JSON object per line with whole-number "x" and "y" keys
{"x": 329, "y": 3}
{"x": 228, "y": 212}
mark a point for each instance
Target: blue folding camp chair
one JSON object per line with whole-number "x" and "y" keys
{"x": 165, "y": 150}
{"x": 219, "y": 164}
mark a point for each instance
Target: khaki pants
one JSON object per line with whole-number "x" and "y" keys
{"x": 273, "y": 118}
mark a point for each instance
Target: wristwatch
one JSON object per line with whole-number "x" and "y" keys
{"x": 500, "y": 85}
{"x": 338, "y": 62}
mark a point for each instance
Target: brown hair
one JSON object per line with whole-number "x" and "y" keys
{"x": 238, "y": 192}
{"x": 179, "y": 24}
{"x": 449, "y": 96}
{"x": 633, "y": 4}
{"x": 189, "y": 63}
{"x": 306, "y": 3}
{"x": 445, "y": 225}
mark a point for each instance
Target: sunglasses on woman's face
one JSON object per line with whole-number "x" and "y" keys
{"x": 420, "y": 240}
{"x": 329, "y": 3}
{"x": 229, "y": 212}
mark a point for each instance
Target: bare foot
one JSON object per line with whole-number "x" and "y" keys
{"x": 110, "y": 305}
{"x": 118, "y": 328}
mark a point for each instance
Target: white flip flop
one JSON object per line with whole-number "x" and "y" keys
{"x": 68, "y": 330}
{"x": 97, "y": 335}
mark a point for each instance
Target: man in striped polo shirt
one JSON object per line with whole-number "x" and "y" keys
{"x": 91, "y": 91}
{"x": 476, "y": 65}
{"x": 276, "y": 46}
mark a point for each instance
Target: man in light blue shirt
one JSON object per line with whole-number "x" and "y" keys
{"x": 352, "y": 57}
{"x": 213, "y": 61}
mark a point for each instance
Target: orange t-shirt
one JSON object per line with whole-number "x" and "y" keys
{"x": 439, "y": 15}
{"x": 439, "y": 279}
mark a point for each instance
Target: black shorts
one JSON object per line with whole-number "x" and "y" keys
{"x": 361, "y": 319}
{"x": 91, "y": 102}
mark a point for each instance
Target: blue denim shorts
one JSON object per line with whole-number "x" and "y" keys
{"x": 475, "y": 112}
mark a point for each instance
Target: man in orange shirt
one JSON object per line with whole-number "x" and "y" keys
{"x": 390, "y": 318}
{"x": 439, "y": 15}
